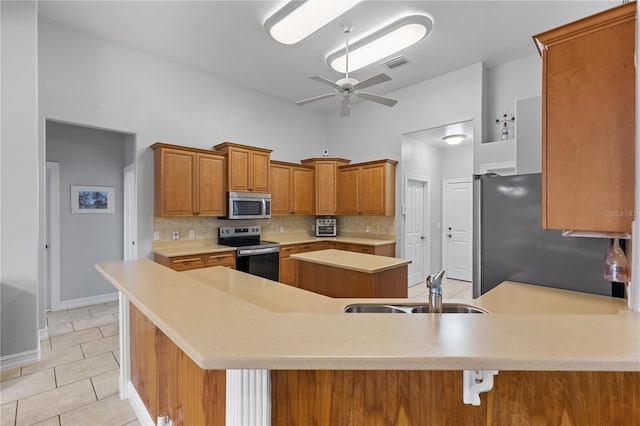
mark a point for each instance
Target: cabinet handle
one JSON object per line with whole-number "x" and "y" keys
{"x": 187, "y": 261}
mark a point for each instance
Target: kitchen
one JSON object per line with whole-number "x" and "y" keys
{"x": 466, "y": 80}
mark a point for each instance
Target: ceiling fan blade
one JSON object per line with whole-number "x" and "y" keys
{"x": 379, "y": 99}
{"x": 372, "y": 81}
{"x": 316, "y": 98}
{"x": 325, "y": 81}
{"x": 345, "y": 107}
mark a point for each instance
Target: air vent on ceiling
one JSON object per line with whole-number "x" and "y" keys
{"x": 395, "y": 62}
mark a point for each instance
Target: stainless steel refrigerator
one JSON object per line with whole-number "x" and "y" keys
{"x": 510, "y": 244}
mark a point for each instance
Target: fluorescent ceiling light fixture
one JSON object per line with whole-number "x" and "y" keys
{"x": 297, "y": 20}
{"x": 454, "y": 139}
{"x": 382, "y": 43}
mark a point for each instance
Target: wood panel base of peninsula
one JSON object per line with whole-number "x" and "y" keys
{"x": 339, "y": 282}
{"x": 169, "y": 382}
{"x": 330, "y": 397}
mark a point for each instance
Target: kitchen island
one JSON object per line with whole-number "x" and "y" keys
{"x": 582, "y": 362}
{"x": 339, "y": 273}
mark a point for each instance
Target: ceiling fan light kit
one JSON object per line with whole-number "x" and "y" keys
{"x": 380, "y": 44}
{"x": 297, "y": 19}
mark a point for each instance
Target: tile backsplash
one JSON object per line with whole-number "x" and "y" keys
{"x": 207, "y": 227}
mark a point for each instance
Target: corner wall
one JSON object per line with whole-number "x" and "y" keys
{"x": 19, "y": 255}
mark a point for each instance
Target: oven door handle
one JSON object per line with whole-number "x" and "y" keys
{"x": 251, "y": 252}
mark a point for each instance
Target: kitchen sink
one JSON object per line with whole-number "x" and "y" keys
{"x": 384, "y": 308}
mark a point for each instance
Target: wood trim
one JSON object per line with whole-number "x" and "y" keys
{"x": 584, "y": 26}
{"x": 332, "y": 397}
{"x": 223, "y": 147}
{"x": 285, "y": 163}
{"x": 369, "y": 163}
{"x": 159, "y": 145}
{"x": 331, "y": 159}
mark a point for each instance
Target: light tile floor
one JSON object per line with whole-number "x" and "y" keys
{"x": 76, "y": 380}
{"x": 451, "y": 289}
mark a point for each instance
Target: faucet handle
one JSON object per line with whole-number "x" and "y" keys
{"x": 434, "y": 279}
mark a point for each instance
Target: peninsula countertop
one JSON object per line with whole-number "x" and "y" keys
{"x": 360, "y": 262}
{"x": 225, "y": 319}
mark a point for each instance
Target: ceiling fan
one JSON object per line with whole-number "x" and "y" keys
{"x": 350, "y": 86}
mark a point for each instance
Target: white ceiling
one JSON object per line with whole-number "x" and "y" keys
{"x": 227, "y": 38}
{"x": 434, "y": 135}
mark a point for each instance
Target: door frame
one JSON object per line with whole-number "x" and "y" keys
{"x": 445, "y": 182}
{"x": 52, "y": 223}
{"x": 130, "y": 212}
{"x": 427, "y": 219}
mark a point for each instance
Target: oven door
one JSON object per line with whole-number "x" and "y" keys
{"x": 263, "y": 262}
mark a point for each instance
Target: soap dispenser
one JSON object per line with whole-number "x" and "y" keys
{"x": 616, "y": 266}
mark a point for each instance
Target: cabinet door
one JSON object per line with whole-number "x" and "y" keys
{"x": 239, "y": 160}
{"x": 259, "y": 172}
{"x": 288, "y": 273}
{"x": 175, "y": 185}
{"x": 371, "y": 190}
{"x": 588, "y": 121}
{"x": 280, "y": 189}
{"x": 211, "y": 191}
{"x": 326, "y": 200}
{"x": 348, "y": 192}
{"x": 302, "y": 191}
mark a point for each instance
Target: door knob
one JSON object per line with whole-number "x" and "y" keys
{"x": 422, "y": 237}
{"x": 449, "y": 235}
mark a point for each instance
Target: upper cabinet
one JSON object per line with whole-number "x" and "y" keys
{"x": 588, "y": 122}
{"x": 188, "y": 181}
{"x": 325, "y": 185}
{"x": 291, "y": 188}
{"x": 367, "y": 188}
{"x": 248, "y": 167}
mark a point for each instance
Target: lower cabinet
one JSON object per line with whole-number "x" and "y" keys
{"x": 169, "y": 382}
{"x": 204, "y": 260}
{"x": 380, "y": 250}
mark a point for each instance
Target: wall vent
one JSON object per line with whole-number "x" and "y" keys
{"x": 395, "y": 62}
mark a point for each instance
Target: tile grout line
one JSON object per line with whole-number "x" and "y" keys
{"x": 15, "y": 415}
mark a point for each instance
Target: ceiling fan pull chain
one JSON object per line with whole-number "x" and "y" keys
{"x": 347, "y": 30}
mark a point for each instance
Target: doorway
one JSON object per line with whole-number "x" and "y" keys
{"x": 129, "y": 211}
{"x": 416, "y": 228}
{"x": 52, "y": 236}
{"x": 457, "y": 235}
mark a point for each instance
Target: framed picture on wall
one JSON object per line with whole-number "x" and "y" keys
{"x": 92, "y": 199}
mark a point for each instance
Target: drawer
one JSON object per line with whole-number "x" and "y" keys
{"x": 184, "y": 263}
{"x": 221, "y": 259}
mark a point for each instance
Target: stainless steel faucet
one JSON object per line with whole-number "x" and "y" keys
{"x": 434, "y": 284}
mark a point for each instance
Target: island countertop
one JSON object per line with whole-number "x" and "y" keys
{"x": 225, "y": 319}
{"x": 360, "y": 262}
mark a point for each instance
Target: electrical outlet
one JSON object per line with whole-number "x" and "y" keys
{"x": 282, "y": 229}
{"x": 175, "y": 235}
{"x": 313, "y": 227}
{"x": 368, "y": 229}
{"x": 192, "y": 234}
{"x": 156, "y": 235}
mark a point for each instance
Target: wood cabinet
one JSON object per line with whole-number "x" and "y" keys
{"x": 380, "y": 250}
{"x": 248, "y": 167}
{"x": 325, "y": 183}
{"x": 367, "y": 189}
{"x": 291, "y": 187}
{"x": 288, "y": 266}
{"x": 188, "y": 181}
{"x": 195, "y": 261}
{"x": 588, "y": 122}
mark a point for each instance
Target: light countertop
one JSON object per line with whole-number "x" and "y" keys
{"x": 225, "y": 319}
{"x": 210, "y": 245}
{"x": 188, "y": 247}
{"x": 368, "y": 263}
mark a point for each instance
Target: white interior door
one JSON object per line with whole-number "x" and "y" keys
{"x": 415, "y": 229}
{"x": 52, "y": 236}
{"x": 129, "y": 210}
{"x": 458, "y": 235}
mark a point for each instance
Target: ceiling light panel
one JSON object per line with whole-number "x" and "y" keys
{"x": 297, "y": 20}
{"x": 384, "y": 42}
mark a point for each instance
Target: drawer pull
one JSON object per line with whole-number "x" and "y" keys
{"x": 187, "y": 261}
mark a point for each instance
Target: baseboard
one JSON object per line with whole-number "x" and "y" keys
{"x": 19, "y": 359}
{"x": 138, "y": 406}
{"x": 86, "y": 301}
{"x": 44, "y": 333}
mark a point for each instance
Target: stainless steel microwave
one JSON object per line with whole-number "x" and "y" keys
{"x": 249, "y": 205}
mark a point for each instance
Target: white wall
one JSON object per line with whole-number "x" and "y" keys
{"x": 90, "y": 81}
{"x": 87, "y": 157}
{"x": 457, "y": 162}
{"x": 19, "y": 254}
